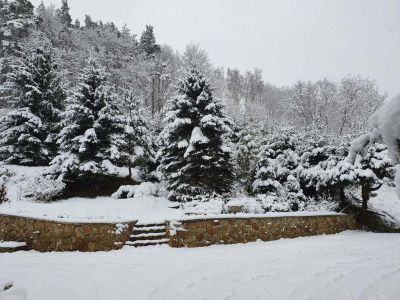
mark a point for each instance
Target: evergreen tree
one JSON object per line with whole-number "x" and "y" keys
{"x": 36, "y": 92}
{"x": 372, "y": 169}
{"x": 195, "y": 158}
{"x": 64, "y": 15}
{"x": 135, "y": 148}
{"x": 90, "y": 129}
{"x": 16, "y": 19}
{"x": 21, "y": 138}
{"x": 89, "y": 23}
{"x": 148, "y": 41}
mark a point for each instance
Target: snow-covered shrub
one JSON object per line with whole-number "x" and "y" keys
{"x": 204, "y": 205}
{"x": 134, "y": 191}
{"x": 296, "y": 167}
{"x": 276, "y": 175}
{"x": 273, "y": 203}
{"x": 41, "y": 189}
{"x": 246, "y": 205}
{"x": 5, "y": 174}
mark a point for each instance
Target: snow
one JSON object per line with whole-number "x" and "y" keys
{"x": 342, "y": 266}
{"x": 136, "y": 191}
{"x": 387, "y": 121}
{"x": 387, "y": 202}
{"x": 100, "y": 209}
{"x": 10, "y": 244}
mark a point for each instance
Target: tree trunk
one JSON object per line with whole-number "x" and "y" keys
{"x": 365, "y": 191}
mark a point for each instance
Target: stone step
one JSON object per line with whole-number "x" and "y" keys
{"x": 148, "y": 230}
{"x": 143, "y": 243}
{"x": 10, "y": 246}
{"x": 144, "y": 236}
{"x": 150, "y": 225}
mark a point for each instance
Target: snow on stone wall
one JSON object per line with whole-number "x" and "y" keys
{"x": 205, "y": 232}
{"x": 43, "y": 235}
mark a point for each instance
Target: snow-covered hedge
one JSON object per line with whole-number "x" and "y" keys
{"x": 41, "y": 189}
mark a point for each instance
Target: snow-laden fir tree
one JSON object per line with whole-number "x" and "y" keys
{"x": 64, "y": 14}
{"x": 275, "y": 181}
{"x": 195, "y": 158}
{"x": 135, "y": 147}
{"x": 37, "y": 96}
{"x": 21, "y": 138}
{"x": 16, "y": 20}
{"x": 148, "y": 41}
{"x": 372, "y": 166}
{"x": 247, "y": 148}
{"x": 91, "y": 129}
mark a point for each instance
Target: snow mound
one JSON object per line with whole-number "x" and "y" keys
{"x": 134, "y": 191}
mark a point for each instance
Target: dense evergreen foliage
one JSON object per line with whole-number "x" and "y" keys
{"x": 195, "y": 157}
{"x": 36, "y": 91}
{"x": 90, "y": 128}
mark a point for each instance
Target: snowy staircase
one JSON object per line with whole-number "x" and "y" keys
{"x": 148, "y": 235}
{"x": 7, "y": 246}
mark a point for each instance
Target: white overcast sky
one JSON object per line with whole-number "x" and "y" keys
{"x": 287, "y": 39}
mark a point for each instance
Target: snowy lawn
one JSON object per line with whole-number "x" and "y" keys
{"x": 349, "y": 265}
{"x": 100, "y": 209}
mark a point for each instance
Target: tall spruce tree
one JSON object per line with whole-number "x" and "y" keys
{"x": 21, "y": 138}
{"x": 37, "y": 94}
{"x": 16, "y": 20}
{"x": 91, "y": 127}
{"x": 195, "y": 158}
{"x": 135, "y": 147}
{"x": 64, "y": 15}
{"x": 148, "y": 41}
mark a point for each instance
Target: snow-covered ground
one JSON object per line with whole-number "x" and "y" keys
{"x": 349, "y": 265}
{"x": 100, "y": 209}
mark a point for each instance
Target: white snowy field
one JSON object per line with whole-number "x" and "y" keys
{"x": 349, "y": 265}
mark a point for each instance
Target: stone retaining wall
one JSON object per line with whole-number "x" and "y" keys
{"x": 43, "y": 235}
{"x": 204, "y": 232}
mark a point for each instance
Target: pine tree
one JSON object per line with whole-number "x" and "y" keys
{"x": 135, "y": 147}
{"x": 195, "y": 158}
{"x": 64, "y": 15}
{"x": 91, "y": 127}
{"x": 36, "y": 92}
{"x": 248, "y": 147}
{"x": 275, "y": 181}
{"x": 148, "y": 41}
{"x": 21, "y": 138}
{"x": 372, "y": 169}
{"x": 16, "y": 19}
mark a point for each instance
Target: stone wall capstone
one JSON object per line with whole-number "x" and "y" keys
{"x": 205, "y": 232}
{"x": 44, "y": 235}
